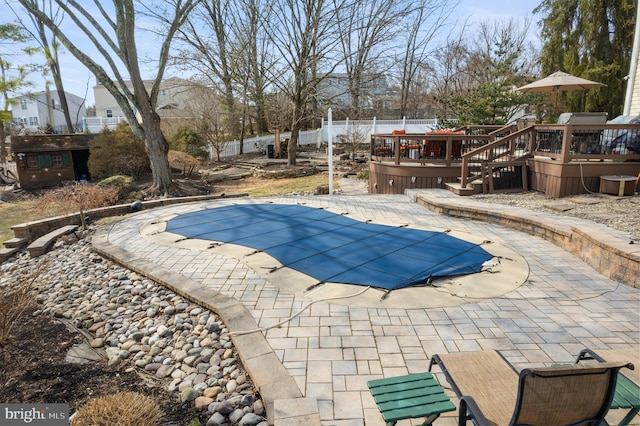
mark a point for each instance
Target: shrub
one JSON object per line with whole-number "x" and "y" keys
{"x": 78, "y": 197}
{"x": 123, "y": 408}
{"x": 183, "y": 162}
{"x": 118, "y": 152}
{"x": 122, "y": 184}
{"x": 186, "y": 140}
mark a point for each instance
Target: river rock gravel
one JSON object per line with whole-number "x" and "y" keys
{"x": 133, "y": 320}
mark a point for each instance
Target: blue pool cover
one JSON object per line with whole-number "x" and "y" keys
{"x": 334, "y": 248}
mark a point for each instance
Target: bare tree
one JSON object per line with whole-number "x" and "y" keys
{"x": 206, "y": 41}
{"x": 222, "y": 41}
{"x": 112, "y": 32}
{"x": 367, "y": 29}
{"x": 355, "y": 139}
{"x": 254, "y": 47}
{"x": 209, "y": 117}
{"x": 427, "y": 18}
{"x": 480, "y": 71}
{"x": 50, "y": 46}
{"x": 448, "y": 68}
{"x": 303, "y": 34}
{"x": 279, "y": 116}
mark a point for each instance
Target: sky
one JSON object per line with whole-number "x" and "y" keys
{"x": 79, "y": 81}
{"x": 481, "y": 10}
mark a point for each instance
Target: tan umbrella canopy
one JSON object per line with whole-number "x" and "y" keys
{"x": 558, "y": 82}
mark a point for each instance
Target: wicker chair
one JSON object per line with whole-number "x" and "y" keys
{"x": 491, "y": 392}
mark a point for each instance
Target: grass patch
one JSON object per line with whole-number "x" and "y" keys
{"x": 260, "y": 187}
{"x": 16, "y": 212}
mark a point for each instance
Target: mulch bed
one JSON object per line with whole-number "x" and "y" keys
{"x": 33, "y": 370}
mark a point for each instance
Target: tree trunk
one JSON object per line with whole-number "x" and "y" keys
{"x": 63, "y": 100}
{"x": 293, "y": 144}
{"x": 157, "y": 149}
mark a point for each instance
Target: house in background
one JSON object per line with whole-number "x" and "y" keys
{"x": 632, "y": 97}
{"x": 177, "y": 100}
{"x": 34, "y": 111}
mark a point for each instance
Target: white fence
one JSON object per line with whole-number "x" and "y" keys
{"x": 308, "y": 137}
{"x": 316, "y": 137}
{"x": 259, "y": 143}
{"x": 370, "y": 127}
{"x": 97, "y": 124}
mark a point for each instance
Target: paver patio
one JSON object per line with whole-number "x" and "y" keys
{"x": 331, "y": 349}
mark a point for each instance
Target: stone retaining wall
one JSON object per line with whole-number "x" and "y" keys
{"x": 38, "y": 228}
{"x": 607, "y": 251}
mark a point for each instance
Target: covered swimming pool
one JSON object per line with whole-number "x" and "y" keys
{"x": 335, "y": 248}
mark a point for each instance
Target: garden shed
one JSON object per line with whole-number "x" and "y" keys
{"x": 49, "y": 160}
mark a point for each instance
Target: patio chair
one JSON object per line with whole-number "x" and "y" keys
{"x": 491, "y": 392}
{"x": 627, "y": 395}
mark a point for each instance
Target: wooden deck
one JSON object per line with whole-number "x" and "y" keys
{"x": 559, "y": 160}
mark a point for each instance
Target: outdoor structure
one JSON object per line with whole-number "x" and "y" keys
{"x": 34, "y": 111}
{"x": 47, "y": 160}
{"x": 556, "y": 159}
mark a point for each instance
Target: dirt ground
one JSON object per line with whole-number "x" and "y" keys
{"x": 33, "y": 370}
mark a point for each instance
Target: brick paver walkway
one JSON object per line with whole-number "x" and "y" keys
{"x": 332, "y": 349}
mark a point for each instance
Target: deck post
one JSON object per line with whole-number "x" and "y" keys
{"x": 566, "y": 143}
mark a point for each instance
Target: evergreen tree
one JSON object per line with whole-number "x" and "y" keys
{"x": 186, "y": 140}
{"x": 593, "y": 40}
{"x": 498, "y": 59}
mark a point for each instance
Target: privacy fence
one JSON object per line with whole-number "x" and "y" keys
{"x": 308, "y": 137}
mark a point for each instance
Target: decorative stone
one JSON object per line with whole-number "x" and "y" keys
{"x": 188, "y": 394}
{"x": 217, "y": 419}
{"x": 212, "y": 392}
{"x": 97, "y": 343}
{"x": 250, "y": 419}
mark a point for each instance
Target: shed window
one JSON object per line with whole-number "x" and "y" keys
{"x": 56, "y": 160}
{"x": 32, "y": 162}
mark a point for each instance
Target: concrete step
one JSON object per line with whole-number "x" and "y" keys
{"x": 17, "y": 242}
{"x": 458, "y": 189}
{"x": 6, "y": 253}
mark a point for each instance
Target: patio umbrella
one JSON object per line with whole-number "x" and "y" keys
{"x": 559, "y": 82}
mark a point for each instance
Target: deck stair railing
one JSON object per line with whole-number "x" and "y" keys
{"x": 499, "y": 165}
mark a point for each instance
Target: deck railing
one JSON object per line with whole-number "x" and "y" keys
{"x": 506, "y": 149}
{"x": 423, "y": 149}
{"x": 560, "y": 142}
